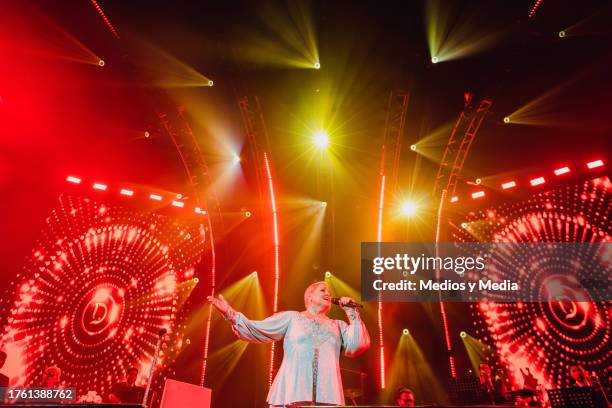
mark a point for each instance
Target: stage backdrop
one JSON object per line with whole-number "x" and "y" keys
{"x": 546, "y": 337}
{"x": 98, "y": 286}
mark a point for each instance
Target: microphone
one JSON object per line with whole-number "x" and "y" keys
{"x": 336, "y": 301}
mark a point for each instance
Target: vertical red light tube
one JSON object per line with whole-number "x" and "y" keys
{"x": 276, "y": 258}
{"x": 212, "y": 293}
{"x": 449, "y": 347}
{"x": 381, "y": 343}
{"x": 106, "y": 20}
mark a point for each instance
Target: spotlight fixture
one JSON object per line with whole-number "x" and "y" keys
{"x": 328, "y": 274}
{"x": 101, "y": 63}
{"x": 561, "y": 34}
{"x": 478, "y": 181}
{"x": 321, "y": 139}
{"x": 408, "y": 208}
{"x": 147, "y": 134}
{"x": 434, "y": 60}
{"x": 254, "y": 274}
{"x": 323, "y": 204}
{"x": 463, "y": 335}
{"x": 317, "y": 65}
{"x": 507, "y": 119}
{"x": 210, "y": 82}
{"x": 405, "y": 332}
{"x": 247, "y": 214}
{"x": 413, "y": 147}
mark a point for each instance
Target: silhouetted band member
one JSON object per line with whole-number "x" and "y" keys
{"x": 312, "y": 342}
{"x": 580, "y": 377}
{"x": 127, "y": 391}
{"x": 4, "y": 380}
{"x": 493, "y": 388}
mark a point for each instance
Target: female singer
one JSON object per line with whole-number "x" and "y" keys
{"x": 310, "y": 371}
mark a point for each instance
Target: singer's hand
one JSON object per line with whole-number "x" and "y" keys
{"x": 345, "y": 300}
{"x": 220, "y": 304}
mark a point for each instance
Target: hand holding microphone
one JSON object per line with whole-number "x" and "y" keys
{"x": 346, "y": 302}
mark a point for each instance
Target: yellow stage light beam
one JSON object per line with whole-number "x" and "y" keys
{"x": 246, "y": 296}
{"x": 548, "y": 109}
{"x": 286, "y": 37}
{"x": 432, "y": 145}
{"x": 476, "y": 350}
{"x": 410, "y": 368}
{"x": 223, "y": 361}
{"x": 48, "y": 39}
{"x": 596, "y": 24}
{"x": 303, "y": 220}
{"x": 166, "y": 70}
{"x": 450, "y": 37}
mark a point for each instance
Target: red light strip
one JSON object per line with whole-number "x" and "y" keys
{"x": 130, "y": 193}
{"x": 537, "y": 181}
{"x": 595, "y": 164}
{"x": 509, "y": 184}
{"x": 106, "y": 20}
{"x": 381, "y": 343}
{"x": 449, "y": 348}
{"x": 478, "y": 194}
{"x": 535, "y": 7}
{"x": 562, "y": 170}
{"x": 454, "y": 199}
{"x": 276, "y": 258}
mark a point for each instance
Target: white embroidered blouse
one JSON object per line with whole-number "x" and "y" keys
{"x": 310, "y": 370}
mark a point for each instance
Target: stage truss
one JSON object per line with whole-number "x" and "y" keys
{"x": 178, "y": 129}
{"x": 257, "y": 134}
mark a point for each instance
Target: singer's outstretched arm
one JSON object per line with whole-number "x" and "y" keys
{"x": 355, "y": 337}
{"x": 270, "y": 329}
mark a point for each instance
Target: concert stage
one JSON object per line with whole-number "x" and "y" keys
{"x": 274, "y": 202}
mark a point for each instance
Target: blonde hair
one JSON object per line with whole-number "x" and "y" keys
{"x": 311, "y": 289}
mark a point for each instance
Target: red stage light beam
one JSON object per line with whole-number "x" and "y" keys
{"x": 106, "y": 20}
{"x": 594, "y": 164}
{"x": 276, "y": 258}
